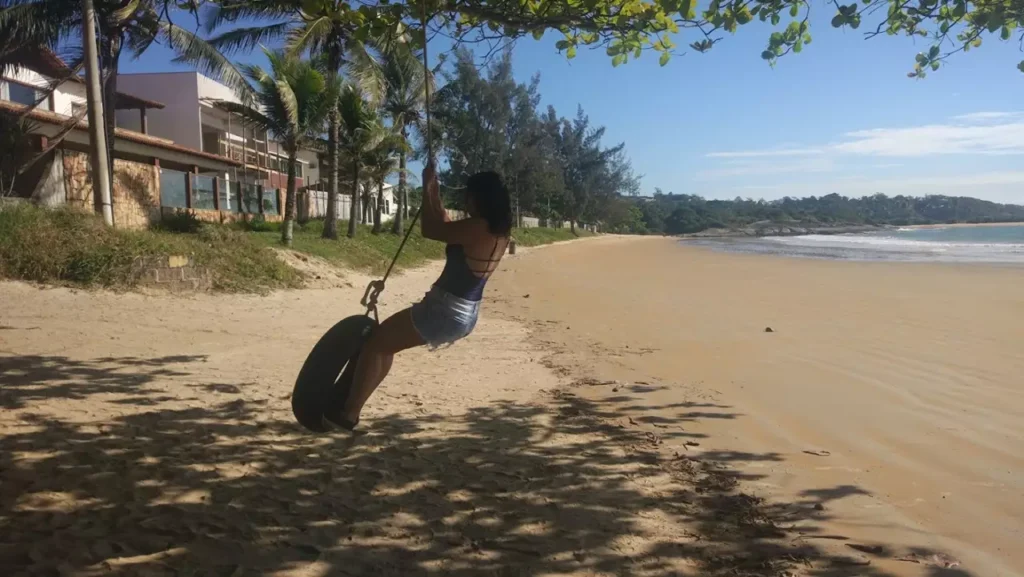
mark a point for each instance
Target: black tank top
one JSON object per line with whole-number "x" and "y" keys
{"x": 458, "y": 278}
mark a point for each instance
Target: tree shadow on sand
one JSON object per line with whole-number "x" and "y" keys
{"x": 24, "y": 379}
{"x": 237, "y": 488}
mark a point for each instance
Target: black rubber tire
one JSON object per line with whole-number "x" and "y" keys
{"x": 318, "y": 385}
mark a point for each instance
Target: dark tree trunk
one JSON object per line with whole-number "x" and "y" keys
{"x": 353, "y": 217}
{"x": 331, "y": 222}
{"x": 110, "y": 54}
{"x": 380, "y": 206}
{"x": 289, "y": 200}
{"x": 400, "y": 199}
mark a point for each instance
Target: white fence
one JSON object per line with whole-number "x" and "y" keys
{"x": 313, "y": 204}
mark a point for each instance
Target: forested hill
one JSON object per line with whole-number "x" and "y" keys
{"x": 683, "y": 213}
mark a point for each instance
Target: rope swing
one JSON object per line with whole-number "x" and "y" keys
{"x": 327, "y": 374}
{"x": 376, "y": 287}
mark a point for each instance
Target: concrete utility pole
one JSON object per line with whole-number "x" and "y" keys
{"x": 97, "y": 135}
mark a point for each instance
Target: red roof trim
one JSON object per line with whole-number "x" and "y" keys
{"x": 129, "y": 135}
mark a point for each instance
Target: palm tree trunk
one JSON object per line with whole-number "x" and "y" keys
{"x": 101, "y": 176}
{"x": 379, "y": 207}
{"x": 289, "y": 200}
{"x": 111, "y": 57}
{"x": 331, "y": 222}
{"x": 366, "y": 204}
{"x": 400, "y": 199}
{"x": 353, "y": 215}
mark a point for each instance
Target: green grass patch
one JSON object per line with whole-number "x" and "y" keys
{"x": 72, "y": 247}
{"x": 367, "y": 251}
{"x": 373, "y": 252}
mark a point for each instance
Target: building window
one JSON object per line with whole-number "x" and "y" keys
{"x": 270, "y": 201}
{"x": 173, "y": 191}
{"x": 298, "y": 169}
{"x": 22, "y": 94}
{"x": 202, "y": 192}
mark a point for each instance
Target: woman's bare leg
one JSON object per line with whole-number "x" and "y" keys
{"x": 393, "y": 335}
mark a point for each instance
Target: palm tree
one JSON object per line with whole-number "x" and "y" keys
{"x": 322, "y": 28}
{"x": 381, "y": 163}
{"x": 292, "y": 101}
{"x": 124, "y": 24}
{"x": 360, "y": 132}
{"x": 405, "y": 86}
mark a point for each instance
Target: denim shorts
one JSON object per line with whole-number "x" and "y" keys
{"x": 442, "y": 318}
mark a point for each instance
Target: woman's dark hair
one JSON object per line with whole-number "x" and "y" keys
{"x": 492, "y": 200}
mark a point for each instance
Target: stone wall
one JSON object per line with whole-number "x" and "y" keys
{"x": 173, "y": 273}
{"x": 135, "y": 189}
{"x": 223, "y": 216}
{"x": 78, "y": 179}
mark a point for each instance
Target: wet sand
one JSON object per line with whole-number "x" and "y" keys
{"x": 889, "y": 397}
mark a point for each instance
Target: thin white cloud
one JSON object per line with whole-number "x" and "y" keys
{"x": 767, "y": 153}
{"x": 935, "y": 139}
{"x": 999, "y": 133}
{"x": 979, "y": 117}
{"x": 762, "y": 166}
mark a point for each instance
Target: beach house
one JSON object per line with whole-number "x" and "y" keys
{"x": 62, "y": 175}
{"x": 176, "y": 148}
{"x": 194, "y": 116}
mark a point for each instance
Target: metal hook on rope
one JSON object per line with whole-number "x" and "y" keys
{"x": 376, "y": 287}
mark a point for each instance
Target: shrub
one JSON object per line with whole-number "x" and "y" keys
{"x": 70, "y": 246}
{"x": 181, "y": 221}
{"x": 258, "y": 223}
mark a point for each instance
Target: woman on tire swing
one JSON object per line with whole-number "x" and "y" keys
{"x": 449, "y": 311}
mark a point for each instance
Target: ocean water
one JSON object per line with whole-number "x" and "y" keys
{"x": 982, "y": 244}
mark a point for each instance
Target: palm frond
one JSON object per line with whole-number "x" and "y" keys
{"x": 311, "y": 35}
{"x": 126, "y": 11}
{"x": 289, "y": 104}
{"x": 249, "y": 38}
{"x": 366, "y": 73}
{"x": 143, "y": 31}
{"x": 38, "y": 23}
{"x": 224, "y": 12}
{"x": 54, "y": 141}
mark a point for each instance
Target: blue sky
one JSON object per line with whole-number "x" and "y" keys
{"x": 839, "y": 117}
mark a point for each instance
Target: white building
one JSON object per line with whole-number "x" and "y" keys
{"x": 191, "y": 117}
{"x": 62, "y": 175}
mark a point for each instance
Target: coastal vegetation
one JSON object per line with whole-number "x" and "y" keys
{"x": 688, "y": 213}
{"x": 67, "y": 246}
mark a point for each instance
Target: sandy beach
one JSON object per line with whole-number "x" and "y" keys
{"x": 887, "y": 394}
{"x": 620, "y": 410}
